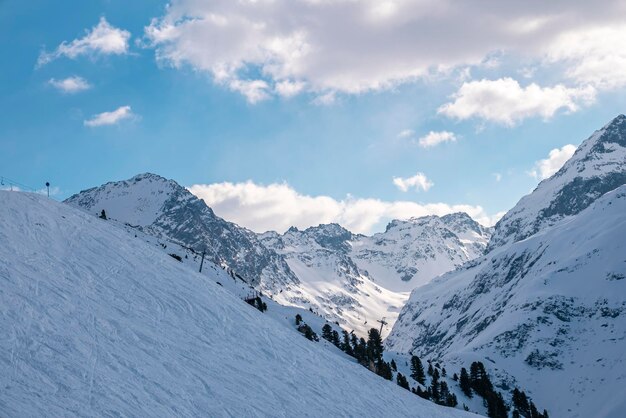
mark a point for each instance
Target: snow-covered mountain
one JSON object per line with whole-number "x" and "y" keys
{"x": 544, "y": 309}
{"x": 597, "y": 166}
{"x": 354, "y": 280}
{"x": 410, "y": 253}
{"x": 164, "y": 209}
{"x": 95, "y": 321}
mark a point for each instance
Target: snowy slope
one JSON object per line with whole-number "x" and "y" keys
{"x": 597, "y": 166}
{"x": 330, "y": 282}
{"x": 164, "y": 209}
{"x": 410, "y": 253}
{"x": 350, "y": 279}
{"x": 97, "y": 322}
{"x": 546, "y": 313}
{"x": 357, "y": 280}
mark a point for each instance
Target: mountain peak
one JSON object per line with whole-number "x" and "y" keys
{"x": 597, "y": 167}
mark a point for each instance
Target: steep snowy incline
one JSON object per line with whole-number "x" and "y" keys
{"x": 163, "y": 208}
{"x": 330, "y": 282}
{"x": 411, "y": 253}
{"x": 351, "y": 279}
{"x": 358, "y": 280}
{"x": 96, "y": 322}
{"x": 597, "y": 166}
{"x": 547, "y": 313}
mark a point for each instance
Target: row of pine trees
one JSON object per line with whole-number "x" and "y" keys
{"x": 369, "y": 353}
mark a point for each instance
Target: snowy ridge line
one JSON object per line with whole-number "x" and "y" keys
{"x": 102, "y": 323}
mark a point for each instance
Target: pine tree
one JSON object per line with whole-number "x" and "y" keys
{"x": 354, "y": 341}
{"x": 417, "y": 370}
{"x": 455, "y": 377}
{"x": 345, "y": 345}
{"x": 533, "y": 411}
{"x": 430, "y": 369}
{"x": 360, "y": 352}
{"x": 479, "y": 379}
{"x": 375, "y": 346}
{"x": 443, "y": 391}
{"x": 298, "y": 319}
{"x": 335, "y": 339}
{"x": 103, "y": 215}
{"x": 402, "y": 382}
{"x": 520, "y": 402}
{"x": 545, "y": 414}
{"x": 451, "y": 400}
{"x": 496, "y": 407}
{"x": 434, "y": 387}
{"x": 383, "y": 369}
{"x": 443, "y": 372}
{"x": 393, "y": 366}
{"x": 465, "y": 383}
{"x": 327, "y": 332}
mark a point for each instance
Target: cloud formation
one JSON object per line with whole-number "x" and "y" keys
{"x": 505, "y": 102}
{"x": 70, "y": 85}
{"x": 278, "y": 206}
{"x": 418, "y": 182}
{"x": 352, "y": 47}
{"x": 110, "y": 118}
{"x": 102, "y": 39}
{"x": 557, "y": 157}
{"x": 433, "y": 138}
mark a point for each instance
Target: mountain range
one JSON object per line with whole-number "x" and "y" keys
{"x": 351, "y": 279}
{"x": 545, "y": 306}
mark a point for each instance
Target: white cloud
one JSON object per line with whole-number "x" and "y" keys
{"x": 497, "y": 176}
{"x": 325, "y": 99}
{"x": 101, "y": 39}
{"x": 435, "y": 138}
{"x": 289, "y": 88}
{"x": 407, "y": 133}
{"x": 352, "y": 47}
{"x": 278, "y": 206}
{"x": 504, "y": 101}
{"x": 70, "y": 85}
{"x": 593, "y": 55}
{"x": 557, "y": 157}
{"x": 110, "y": 118}
{"x": 254, "y": 90}
{"x": 419, "y": 182}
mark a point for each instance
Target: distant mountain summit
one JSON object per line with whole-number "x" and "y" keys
{"x": 598, "y": 166}
{"x": 163, "y": 208}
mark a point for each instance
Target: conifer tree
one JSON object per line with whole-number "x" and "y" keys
{"x": 298, "y": 319}
{"x": 393, "y": 366}
{"x": 345, "y": 345}
{"x": 375, "y": 346}
{"x": 430, "y": 369}
{"x": 354, "y": 341}
{"x": 335, "y": 339}
{"x": 327, "y": 332}
{"x": 434, "y": 387}
{"x": 455, "y": 377}
{"x": 417, "y": 370}
{"x": 402, "y": 382}
{"x": 465, "y": 383}
{"x": 443, "y": 372}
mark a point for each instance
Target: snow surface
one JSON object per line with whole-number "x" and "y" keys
{"x": 99, "y": 322}
{"x": 597, "y": 166}
{"x": 350, "y": 279}
{"x": 545, "y": 314}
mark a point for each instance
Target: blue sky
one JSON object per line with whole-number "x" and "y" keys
{"x": 304, "y": 112}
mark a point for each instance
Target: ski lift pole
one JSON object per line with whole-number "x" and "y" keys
{"x": 202, "y": 261}
{"x": 48, "y": 188}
